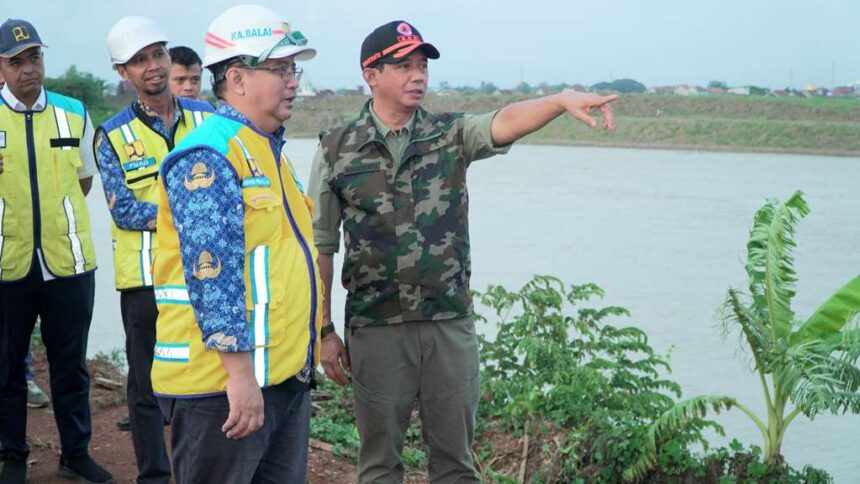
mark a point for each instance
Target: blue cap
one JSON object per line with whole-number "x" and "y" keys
{"x": 16, "y": 36}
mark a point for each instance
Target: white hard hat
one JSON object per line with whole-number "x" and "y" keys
{"x": 131, "y": 34}
{"x": 256, "y": 32}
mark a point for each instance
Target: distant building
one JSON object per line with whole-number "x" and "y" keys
{"x": 664, "y": 90}
{"x": 685, "y": 90}
{"x": 306, "y": 89}
{"x": 740, "y": 90}
{"x": 843, "y": 91}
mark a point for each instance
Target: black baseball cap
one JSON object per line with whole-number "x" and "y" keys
{"x": 392, "y": 42}
{"x": 16, "y": 36}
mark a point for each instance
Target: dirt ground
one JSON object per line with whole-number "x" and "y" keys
{"x": 112, "y": 448}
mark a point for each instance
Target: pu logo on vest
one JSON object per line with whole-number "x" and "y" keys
{"x": 200, "y": 178}
{"x": 205, "y": 268}
{"x": 20, "y": 34}
{"x": 137, "y": 156}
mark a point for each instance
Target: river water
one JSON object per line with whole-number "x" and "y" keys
{"x": 662, "y": 232}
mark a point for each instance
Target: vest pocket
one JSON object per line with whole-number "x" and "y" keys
{"x": 66, "y": 164}
{"x": 67, "y": 245}
{"x": 364, "y": 187}
{"x": 266, "y": 206}
{"x": 139, "y": 180}
{"x": 8, "y": 259}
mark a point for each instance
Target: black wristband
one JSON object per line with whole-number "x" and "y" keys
{"x": 326, "y": 330}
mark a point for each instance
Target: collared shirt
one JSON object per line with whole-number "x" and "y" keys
{"x": 88, "y": 165}
{"x": 477, "y": 135}
{"x": 213, "y": 220}
{"x": 395, "y": 141}
{"x": 127, "y": 211}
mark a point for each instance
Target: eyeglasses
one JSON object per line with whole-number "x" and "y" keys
{"x": 285, "y": 72}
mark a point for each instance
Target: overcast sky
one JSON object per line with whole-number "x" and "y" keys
{"x": 762, "y": 42}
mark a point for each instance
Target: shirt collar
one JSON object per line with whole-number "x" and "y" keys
{"x": 17, "y": 105}
{"x": 230, "y": 112}
{"x": 383, "y": 128}
{"x": 276, "y": 139}
{"x": 149, "y": 116}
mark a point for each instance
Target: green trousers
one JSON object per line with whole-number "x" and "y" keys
{"x": 433, "y": 363}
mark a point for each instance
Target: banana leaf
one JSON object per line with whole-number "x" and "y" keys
{"x": 831, "y": 316}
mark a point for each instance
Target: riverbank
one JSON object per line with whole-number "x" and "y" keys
{"x": 815, "y": 126}
{"x": 112, "y": 448}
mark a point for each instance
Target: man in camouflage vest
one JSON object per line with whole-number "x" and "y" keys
{"x": 396, "y": 178}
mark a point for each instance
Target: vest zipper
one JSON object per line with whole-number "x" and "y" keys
{"x": 307, "y": 371}
{"x": 34, "y": 182}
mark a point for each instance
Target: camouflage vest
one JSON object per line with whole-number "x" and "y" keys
{"x": 405, "y": 221}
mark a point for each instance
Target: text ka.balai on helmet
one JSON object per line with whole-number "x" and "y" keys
{"x": 254, "y": 34}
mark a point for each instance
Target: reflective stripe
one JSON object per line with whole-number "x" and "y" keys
{"x": 146, "y": 258}
{"x": 77, "y": 251}
{"x": 242, "y": 145}
{"x": 127, "y": 133}
{"x": 289, "y": 164}
{"x": 62, "y": 125}
{"x": 2, "y": 213}
{"x": 260, "y": 315}
{"x": 173, "y": 352}
{"x": 198, "y": 117}
{"x": 172, "y": 295}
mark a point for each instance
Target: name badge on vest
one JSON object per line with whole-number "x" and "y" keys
{"x": 2, "y": 139}
{"x": 138, "y": 164}
{"x": 256, "y": 181}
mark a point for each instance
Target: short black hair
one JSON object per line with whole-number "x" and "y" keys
{"x": 184, "y": 56}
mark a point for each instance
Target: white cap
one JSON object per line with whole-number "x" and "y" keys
{"x": 254, "y": 31}
{"x": 130, "y": 35}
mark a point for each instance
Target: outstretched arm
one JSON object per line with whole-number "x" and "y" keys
{"x": 521, "y": 118}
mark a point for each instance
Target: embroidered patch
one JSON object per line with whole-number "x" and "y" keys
{"x": 206, "y": 267}
{"x": 134, "y": 150}
{"x": 200, "y": 177}
{"x": 256, "y": 181}
{"x": 138, "y": 164}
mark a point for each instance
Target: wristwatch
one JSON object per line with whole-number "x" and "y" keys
{"x": 326, "y": 330}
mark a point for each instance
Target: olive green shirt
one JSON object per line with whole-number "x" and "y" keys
{"x": 477, "y": 137}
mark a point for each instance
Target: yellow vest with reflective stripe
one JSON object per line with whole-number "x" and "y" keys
{"x": 41, "y": 200}
{"x": 140, "y": 150}
{"x": 283, "y": 293}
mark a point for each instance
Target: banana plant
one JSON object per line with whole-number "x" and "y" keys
{"x": 804, "y": 366}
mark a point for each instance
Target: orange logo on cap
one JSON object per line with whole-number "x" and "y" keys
{"x": 21, "y": 33}
{"x": 404, "y": 29}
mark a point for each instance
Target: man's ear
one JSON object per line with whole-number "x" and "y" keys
{"x": 123, "y": 73}
{"x": 370, "y": 74}
{"x": 235, "y": 80}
